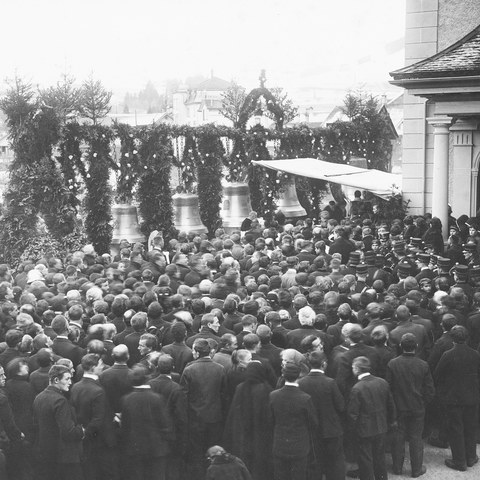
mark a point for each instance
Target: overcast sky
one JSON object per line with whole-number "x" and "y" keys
{"x": 300, "y": 43}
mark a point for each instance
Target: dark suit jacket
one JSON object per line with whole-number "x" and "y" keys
{"x": 181, "y": 354}
{"x": 120, "y": 337}
{"x": 89, "y": 399}
{"x": 272, "y": 354}
{"x": 146, "y": 429}
{"x": 58, "y": 437}
{"x": 117, "y": 383}
{"x": 295, "y": 337}
{"x": 371, "y": 408}
{"x": 7, "y": 422}
{"x": 423, "y": 342}
{"x": 294, "y": 419}
{"x": 411, "y": 383}
{"x": 66, "y": 349}
{"x": 327, "y": 400}
{"x": 131, "y": 341}
{"x": 9, "y": 354}
{"x": 39, "y": 379}
{"x": 443, "y": 344}
{"x": 176, "y": 404}
{"x": 457, "y": 376}
{"x": 205, "y": 333}
{"x": 204, "y": 383}
{"x": 345, "y": 378}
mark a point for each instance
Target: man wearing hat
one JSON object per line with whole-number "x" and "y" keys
{"x": 471, "y": 254}
{"x": 474, "y": 273}
{"x": 443, "y": 269}
{"x": 400, "y": 257}
{"x": 460, "y": 277}
{"x": 295, "y": 421}
{"x": 361, "y": 271}
{"x": 342, "y": 243}
{"x": 422, "y": 261}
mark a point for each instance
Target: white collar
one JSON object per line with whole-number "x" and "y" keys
{"x": 317, "y": 370}
{"x": 291, "y": 384}
{"x": 142, "y": 387}
{"x": 363, "y": 375}
{"x": 90, "y": 375}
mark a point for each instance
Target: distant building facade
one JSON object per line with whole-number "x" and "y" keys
{"x": 200, "y": 104}
{"x": 441, "y": 81}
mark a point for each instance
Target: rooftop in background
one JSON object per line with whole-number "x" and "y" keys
{"x": 212, "y": 84}
{"x": 461, "y": 59}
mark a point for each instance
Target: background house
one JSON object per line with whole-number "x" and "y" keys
{"x": 200, "y": 104}
{"x": 441, "y": 78}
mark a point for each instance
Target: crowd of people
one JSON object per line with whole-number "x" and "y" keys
{"x": 283, "y": 351}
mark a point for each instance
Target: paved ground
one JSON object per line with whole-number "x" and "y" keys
{"x": 436, "y": 470}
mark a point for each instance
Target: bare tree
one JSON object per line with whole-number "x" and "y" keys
{"x": 94, "y": 100}
{"x": 232, "y": 101}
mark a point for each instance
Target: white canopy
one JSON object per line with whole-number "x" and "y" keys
{"x": 380, "y": 183}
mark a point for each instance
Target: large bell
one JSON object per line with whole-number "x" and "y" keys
{"x": 187, "y": 217}
{"x": 125, "y": 225}
{"x": 235, "y": 206}
{"x": 288, "y": 202}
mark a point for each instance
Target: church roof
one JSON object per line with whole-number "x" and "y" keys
{"x": 461, "y": 59}
{"x": 213, "y": 83}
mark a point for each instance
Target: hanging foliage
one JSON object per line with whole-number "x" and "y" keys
{"x": 263, "y": 183}
{"x": 154, "y": 192}
{"x": 209, "y": 172}
{"x": 36, "y": 188}
{"x": 187, "y": 164}
{"x": 98, "y": 199}
{"x": 128, "y": 165}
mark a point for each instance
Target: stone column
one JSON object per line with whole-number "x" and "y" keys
{"x": 463, "y": 199}
{"x": 440, "y": 169}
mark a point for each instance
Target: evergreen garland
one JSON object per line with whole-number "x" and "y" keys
{"x": 129, "y": 164}
{"x": 187, "y": 165}
{"x": 154, "y": 192}
{"x": 209, "y": 173}
{"x": 263, "y": 183}
{"x": 36, "y": 184}
{"x": 98, "y": 200}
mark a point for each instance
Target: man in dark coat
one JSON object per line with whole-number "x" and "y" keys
{"x": 116, "y": 380}
{"x": 178, "y": 350}
{"x": 176, "y": 405}
{"x": 268, "y": 350}
{"x": 132, "y": 340}
{"x": 146, "y": 430}
{"x": 9, "y": 431}
{"x": 62, "y": 345}
{"x": 457, "y": 379}
{"x": 329, "y": 405}
{"x": 295, "y": 420}
{"x": 436, "y": 410}
{"x": 412, "y": 388}
{"x": 58, "y": 437}
{"x": 342, "y": 244}
{"x": 92, "y": 410}
{"x": 371, "y": 410}
{"x": 204, "y": 383}
{"x": 345, "y": 377}
{"x": 13, "y": 338}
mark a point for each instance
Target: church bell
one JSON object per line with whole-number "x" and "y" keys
{"x": 288, "y": 202}
{"x": 187, "y": 216}
{"x": 125, "y": 225}
{"x": 235, "y": 206}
